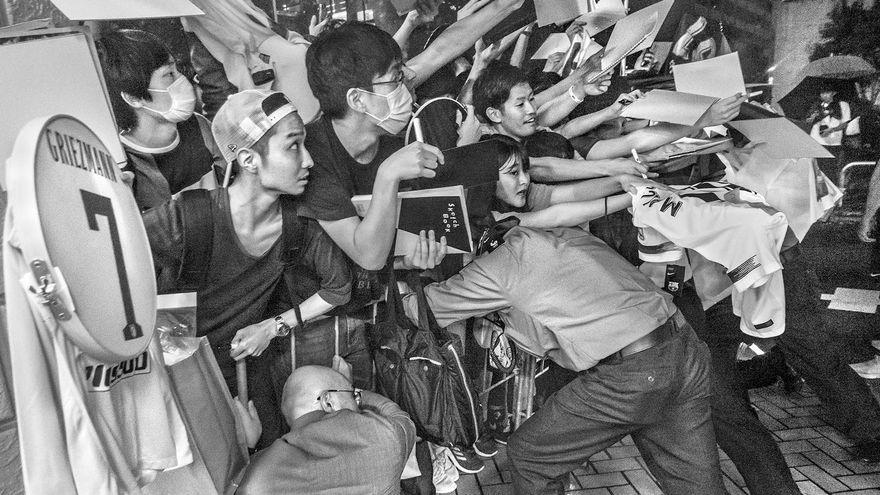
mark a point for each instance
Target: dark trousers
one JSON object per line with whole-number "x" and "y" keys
{"x": 738, "y": 430}
{"x": 817, "y": 352}
{"x": 660, "y": 396}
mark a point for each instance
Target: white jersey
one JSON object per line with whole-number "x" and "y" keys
{"x": 732, "y": 227}
{"x": 104, "y": 425}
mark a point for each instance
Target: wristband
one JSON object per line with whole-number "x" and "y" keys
{"x": 572, "y": 96}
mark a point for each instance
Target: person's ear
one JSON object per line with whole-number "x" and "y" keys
{"x": 494, "y": 115}
{"x": 354, "y": 100}
{"x": 131, "y": 101}
{"x": 248, "y": 160}
{"x": 326, "y": 405}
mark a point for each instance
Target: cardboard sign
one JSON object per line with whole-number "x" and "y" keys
{"x": 784, "y": 139}
{"x": 669, "y": 106}
{"x": 719, "y": 77}
{"x": 81, "y": 230}
{"x": 87, "y": 10}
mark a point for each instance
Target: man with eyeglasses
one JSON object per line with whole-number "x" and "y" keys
{"x": 341, "y": 440}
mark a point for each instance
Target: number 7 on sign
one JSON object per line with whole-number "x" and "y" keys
{"x": 95, "y": 205}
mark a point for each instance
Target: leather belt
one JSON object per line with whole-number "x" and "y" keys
{"x": 648, "y": 341}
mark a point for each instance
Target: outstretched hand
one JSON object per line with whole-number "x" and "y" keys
{"x": 722, "y": 111}
{"x": 426, "y": 254}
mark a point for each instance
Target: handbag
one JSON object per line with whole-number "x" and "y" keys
{"x": 419, "y": 367}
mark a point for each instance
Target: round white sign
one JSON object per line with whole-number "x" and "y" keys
{"x": 73, "y": 211}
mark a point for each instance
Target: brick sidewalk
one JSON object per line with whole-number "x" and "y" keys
{"x": 816, "y": 453}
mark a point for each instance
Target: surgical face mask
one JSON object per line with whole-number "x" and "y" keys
{"x": 399, "y": 104}
{"x": 183, "y": 101}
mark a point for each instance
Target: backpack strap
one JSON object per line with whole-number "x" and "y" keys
{"x": 293, "y": 232}
{"x": 198, "y": 236}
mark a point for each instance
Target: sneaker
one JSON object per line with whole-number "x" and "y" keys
{"x": 485, "y": 446}
{"x": 791, "y": 381}
{"x": 869, "y": 369}
{"x": 465, "y": 460}
{"x": 868, "y": 451}
{"x": 445, "y": 476}
{"x": 498, "y": 424}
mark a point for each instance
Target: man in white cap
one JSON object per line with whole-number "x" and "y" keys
{"x": 235, "y": 245}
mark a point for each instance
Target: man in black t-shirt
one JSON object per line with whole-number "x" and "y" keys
{"x": 254, "y": 233}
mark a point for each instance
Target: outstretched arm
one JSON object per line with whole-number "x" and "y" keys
{"x": 459, "y": 37}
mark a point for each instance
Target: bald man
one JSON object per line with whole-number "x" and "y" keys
{"x": 341, "y": 440}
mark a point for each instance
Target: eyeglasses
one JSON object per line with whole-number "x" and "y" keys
{"x": 404, "y": 76}
{"x": 355, "y": 392}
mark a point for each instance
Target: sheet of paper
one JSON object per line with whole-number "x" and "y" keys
{"x": 635, "y": 32}
{"x": 559, "y": 11}
{"x": 860, "y": 296}
{"x": 784, "y": 139}
{"x": 626, "y": 38}
{"x": 719, "y": 77}
{"x": 603, "y": 15}
{"x": 858, "y": 307}
{"x": 85, "y": 10}
{"x": 669, "y": 106}
{"x": 555, "y": 43}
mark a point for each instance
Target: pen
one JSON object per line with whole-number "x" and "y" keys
{"x": 638, "y": 160}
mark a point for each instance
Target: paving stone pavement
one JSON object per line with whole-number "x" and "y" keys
{"x": 819, "y": 457}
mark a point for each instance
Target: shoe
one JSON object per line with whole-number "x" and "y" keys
{"x": 445, "y": 476}
{"x": 485, "y": 446}
{"x": 498, "y": 424}
{"x": 868, "y": 451}
{"x": 869, "y": 369}
{"x": 791, "y": 381}
{"x": 465, "y": 460}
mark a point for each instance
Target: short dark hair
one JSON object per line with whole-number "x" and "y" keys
{"x": 507, "y": 147}
{"x": 548, "y": 143}
{"x": 493, "y": 87}
{"x": 349, "y": 56}
{"x": 128, "y": 59}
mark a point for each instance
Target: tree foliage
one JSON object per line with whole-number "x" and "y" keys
{"x": 853, "y": 29}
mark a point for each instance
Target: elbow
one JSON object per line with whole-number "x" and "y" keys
{"x": 371, "y": 263}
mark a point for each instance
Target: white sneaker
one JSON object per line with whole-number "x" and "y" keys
{"x": 445, "y": 476}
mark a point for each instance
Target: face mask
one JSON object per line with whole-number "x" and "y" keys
{"x": 183, "y": 101}
{"x": 399, "y": 109}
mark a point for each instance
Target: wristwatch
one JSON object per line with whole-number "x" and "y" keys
{"x": 282, "y": 329}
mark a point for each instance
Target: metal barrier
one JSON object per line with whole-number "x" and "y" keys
{"x": 849, "y": 168}
{"x": 528, "y": 368}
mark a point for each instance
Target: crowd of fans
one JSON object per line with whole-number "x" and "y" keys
{"x": 253, "y": 211}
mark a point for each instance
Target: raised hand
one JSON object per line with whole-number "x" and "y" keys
{"x": 413, "y": 161}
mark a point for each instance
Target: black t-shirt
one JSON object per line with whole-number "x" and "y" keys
{"x": 336, "y": 176}
{"x": 239, "y": 286}
{"x": 189, "y": 161}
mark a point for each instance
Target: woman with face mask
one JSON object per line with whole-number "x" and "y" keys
{"x": 168, "y": 146}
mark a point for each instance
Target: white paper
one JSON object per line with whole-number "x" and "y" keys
{"x": 84, "y": 10}
{"x": 669, "y": 106}
{"x": 587, "y": 50}
{"x": 555, "y": 43}
{"x": 848, "y": 306}
{"x": 626, "y": 38}
{"x": 784, "y": 139}
{"x": 559, "y": 11}
{"x": 719, "y": 77}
